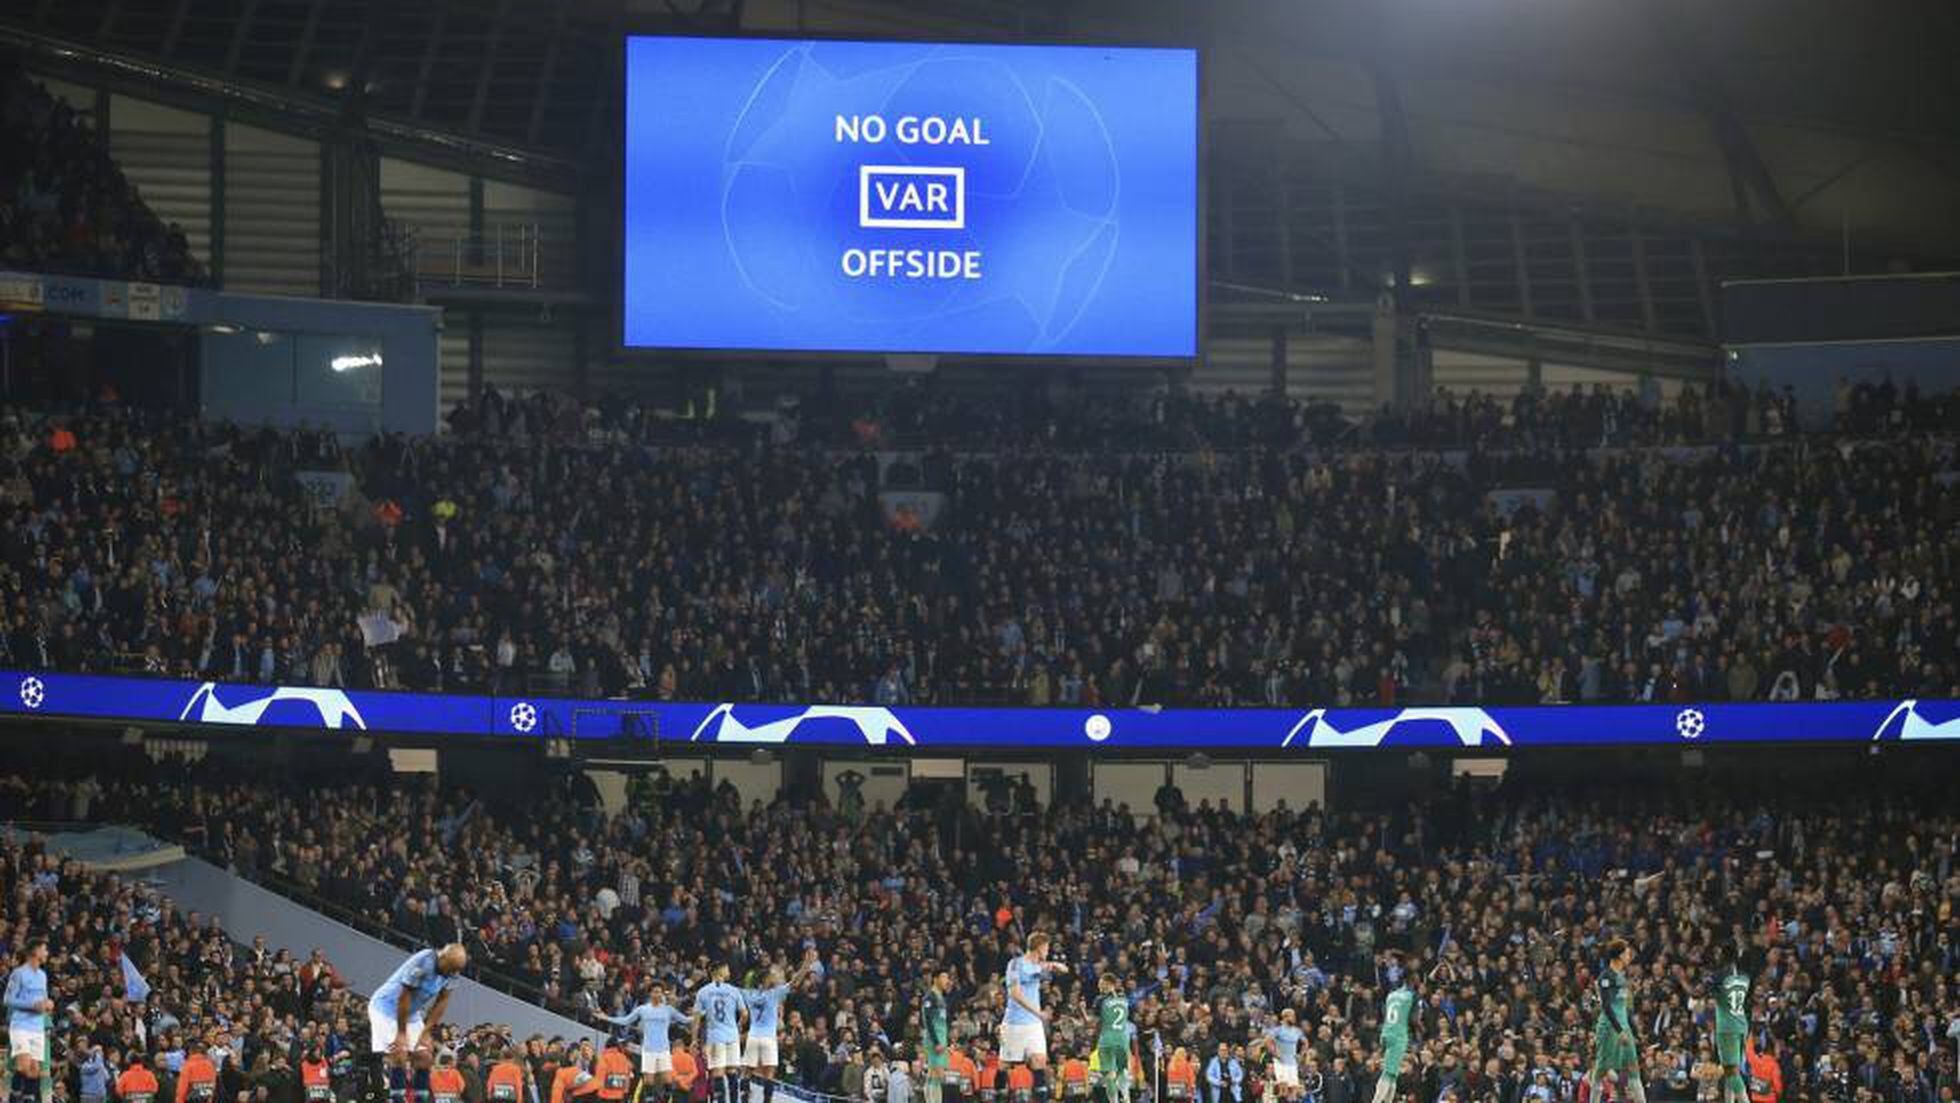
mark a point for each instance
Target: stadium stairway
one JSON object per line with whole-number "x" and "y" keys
{"x": 247, "y": 911}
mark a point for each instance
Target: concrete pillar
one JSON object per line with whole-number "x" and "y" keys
{"x": 1386, "y": 390}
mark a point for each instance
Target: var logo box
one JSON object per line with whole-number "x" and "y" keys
{"x": 911, "y": 197}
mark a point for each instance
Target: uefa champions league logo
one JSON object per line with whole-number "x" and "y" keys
{"x": 524, "y": 716}
{"x": 1912, "y": 725}
{"x": 329, "y": 708}
{"x": 877, "y": 725}
{"x": 32, "y": 692}
{"x": 1471, "y": 726}
{"x": 1690, "y": 723}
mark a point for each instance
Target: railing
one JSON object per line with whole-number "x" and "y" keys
{"x": 300, "y": 894}
{"x": 477, "y": 971}
{"x": 503, "y": 256}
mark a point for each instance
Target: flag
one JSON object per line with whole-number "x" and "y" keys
{"x": 134, "y": 986}
{"x": 378, "y": 629}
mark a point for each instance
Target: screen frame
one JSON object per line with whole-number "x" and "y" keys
{"x": 616, "y": 220}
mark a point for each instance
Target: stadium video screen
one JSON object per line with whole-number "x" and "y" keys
{"x": 909, "y": 197}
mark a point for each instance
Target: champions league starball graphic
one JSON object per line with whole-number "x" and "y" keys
{"x": 1915, "y": 720}
{"x": 284, "y": 706}
{"x": 1472, "y": 727}
{"x": 877, "y": 726}
{"x": 910, "y": 197}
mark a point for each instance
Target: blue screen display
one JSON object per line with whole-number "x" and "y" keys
{"x": 28, "y": 693}
{"x": 909, "y": 197}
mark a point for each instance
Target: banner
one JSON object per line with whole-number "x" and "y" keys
{"x": 1510, "y": 499}
{"x": 378, "y": 629}
{"x": 20, "y": 291}
{"x": 326, "y": 489}
{"x": 145, "y": 302}
{"x": 170, "y": 701}
{"x": 912, "y": 510}
{"x": 135, "y": 988}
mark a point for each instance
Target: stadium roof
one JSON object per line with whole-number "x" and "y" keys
{"x": 1804, "y": 117}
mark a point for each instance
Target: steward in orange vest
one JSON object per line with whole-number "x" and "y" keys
{"x": 137, "y": 1084}
{"x": 506, "y": 1081}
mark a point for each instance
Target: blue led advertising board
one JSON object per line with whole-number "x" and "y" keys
{"x": 906, "y": 197}
{"x": 29, "y": 694}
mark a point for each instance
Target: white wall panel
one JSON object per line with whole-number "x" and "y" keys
{"x": 1300, "y": 784}
{"x": 1131, "y": 783}
{"x": 1222, "y": 783}
{"x": 884, "y": 782}
{"x": 755, "y": 781}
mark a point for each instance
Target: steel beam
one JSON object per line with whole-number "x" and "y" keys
{"x": 1523, "y": 269}
{"x": 1581, "y": 271}
{"x": 298, "y": 68}
{"x": 1640, "y": 277}
{"x": 545, "y": 73}
{"x": 109, "y": 13}
{"x": 428, "y": 65}
{"x": 176, "y": 32}
{"x": 489, "y": 65}
{"x": 1459, "y": 262}
{"x": 238, "y": 37}
{"x": 1751, "y": 183}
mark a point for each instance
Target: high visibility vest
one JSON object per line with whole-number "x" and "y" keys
{"x": 198, "y": 1082}
{"x": 446, "y": 1084}
{"x": 1075, "y": 1078}
{"x": 563, "y": 1081}
{"x": 315, "y": 1079}
{"x": 137, "y": 1085}
{"x": 685, "y": 1070}
{"x": 1765, "y": 1077}
{"x": 506, "y": 1083}
{"x": 960, "y": 1072}
{"x": 615, "y": 1075}
{"x": 1020, "y": 1084}
{"x": 1181, "y": 1082}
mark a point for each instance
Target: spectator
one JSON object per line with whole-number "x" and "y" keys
{"x": 64, "y": 204}
{"x": 1785, "y": 569}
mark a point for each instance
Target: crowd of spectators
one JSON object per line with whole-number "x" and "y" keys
{"x": 1063, "y": 420}
{"x": 1881, "y": 405}
{"x": 256, "y": 1012}
{"x": 1836, "y": 888}
{"x": 65, "y": 206}
{"x": 141, "y": 986}
{"x": 539, "y": 549}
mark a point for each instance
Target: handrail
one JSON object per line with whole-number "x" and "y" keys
{"x": 477, "y": 971}
{"x": 299, "y": 894}
{"x": 506, "y": 255}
